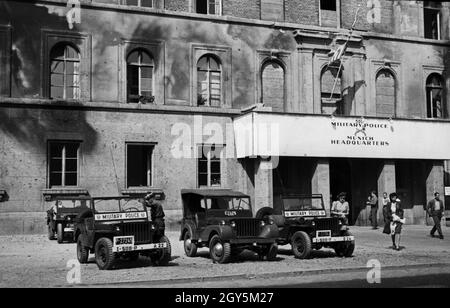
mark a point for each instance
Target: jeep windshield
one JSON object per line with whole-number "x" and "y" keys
{"x": 118, "y": 205}
{"x": 295, "y": 206}
{"x": 228, "y": 203}
{"x": 72, "y": 204}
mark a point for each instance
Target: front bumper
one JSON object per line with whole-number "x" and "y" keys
{"x": 252, "y": 241}
{"x": 139, "y": 248}
{"x": 319, "y": 240}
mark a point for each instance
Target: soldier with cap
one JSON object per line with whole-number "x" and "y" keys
{"x": 156, "y": 212}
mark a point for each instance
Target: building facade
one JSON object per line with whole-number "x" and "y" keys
{"x": 108, "y": 97}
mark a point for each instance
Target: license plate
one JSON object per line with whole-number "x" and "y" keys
{"x": 333, "y": 239}
{"x": 125, "y": 245}
{"x": 69, "y": 229}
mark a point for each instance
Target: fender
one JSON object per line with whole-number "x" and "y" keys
{"x": 225, "y": 232}
{"x": 189, "y": 225}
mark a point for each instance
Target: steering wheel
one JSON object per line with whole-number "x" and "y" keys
{"x": 134, "y": 209}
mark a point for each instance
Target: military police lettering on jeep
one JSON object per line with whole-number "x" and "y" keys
{"x": 230, "y": 213}
{"x": 304, "y": 213}
{"x": 121, "y": 216}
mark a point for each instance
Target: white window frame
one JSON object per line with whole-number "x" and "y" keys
{"x": 209, "y": 73}
{"x": 63, "y": 158}
{"x": 218, "y": 7}
{"x": 200, "y": 149}
{"x": 64, "y": 61}
{"x": 150, "y": 164}
{"x": 141, "y": 65}
{"x": 139, "y": 4}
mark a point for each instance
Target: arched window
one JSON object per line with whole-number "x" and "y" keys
{"x": 140, "y": 67}
{"x": 209, "y": 81}
{"x": 273, "y": 85}
{"x": 64, "y": 72}
{"x": 434, "y": 90}
{"x": 386, "y": 97}
{"x": 331, "y": 99}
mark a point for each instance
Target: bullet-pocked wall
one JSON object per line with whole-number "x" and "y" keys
{"x": 176, "y": 37}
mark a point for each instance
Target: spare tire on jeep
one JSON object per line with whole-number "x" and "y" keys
{"x": 264, "y": 213}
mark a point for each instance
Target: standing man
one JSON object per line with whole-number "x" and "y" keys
{"x": 156, "y": 212}
{"x": 435, "y": 209}
{"x": 373, "y": 202}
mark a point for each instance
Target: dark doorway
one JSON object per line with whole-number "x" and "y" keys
{"x": 341, "y": 181}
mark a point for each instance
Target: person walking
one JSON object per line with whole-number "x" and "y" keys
{"x": 373, "y": 202}
{"x": 435, "y": 209}
{"x": 341, "y": 208}
{"x": 393, "y": 216}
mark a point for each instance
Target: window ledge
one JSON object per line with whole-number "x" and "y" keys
{"x": 3, "y": 195}
{"x": 142, "y": 191}
{"x": 51, "y": 193}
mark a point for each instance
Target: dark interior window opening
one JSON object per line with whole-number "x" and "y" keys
{"x": 328, "y": 5}
{"x": 202, "y": 6}
{"x": 139, "y": 165}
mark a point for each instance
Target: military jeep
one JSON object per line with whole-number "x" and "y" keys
{"x": 222, "y": 220}
{"x": 119, "y": 227}
{"x": 61, "y": 217}
{"x": 303, "y": 223}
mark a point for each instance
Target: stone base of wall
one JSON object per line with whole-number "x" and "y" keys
{"x": 36, "y": 223}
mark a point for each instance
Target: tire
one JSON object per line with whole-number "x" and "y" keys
{"x": 345, "y": 249}
{"x": 51, "y": 233}
{"x": 301, "y": 245}
{"x": 104, "y": 255}
{"x": 271, "y": 253}
{"x": 59, "y": 233}
{"x": 219, "y": 251}
{"x": 264, "y": 213}
{"x": 189, "y": 248}
{"x": 163, "y": 256}
{"x": 82, "y": 252}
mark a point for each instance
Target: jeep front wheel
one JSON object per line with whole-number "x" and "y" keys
{"x": 59, "y": 233}
{"x": 220, "y": 251}
{"x": 82, "y": 252}
{"x": 269, "y": 252}
{"x": 104, "y": 255}
{"x": 301, "y": 245}
{"x": 164, "y": 255}
{"x": 345, "y": 249}
{"x": 189, "y": 248}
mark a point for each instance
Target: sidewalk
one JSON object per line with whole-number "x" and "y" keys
{"x": 32, "y": 260}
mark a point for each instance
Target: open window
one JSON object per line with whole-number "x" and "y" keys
{"x": 140, "y": 72}
{"x": 208, "y": 7}
{"x": 139, "y": 164}
{"x": 328, "y": 13}
{"x": 432, "y": 20}
{"x": 141, "y": 3}
{"x": 435, "y": 92}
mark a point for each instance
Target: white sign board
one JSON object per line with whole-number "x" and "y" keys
{"x": 447, "y": 191}
{"x": 267, "y": 134}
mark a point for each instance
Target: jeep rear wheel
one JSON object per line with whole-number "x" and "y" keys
{"x": 51, "y": 233}
{"x": 104, "y": 255}
{"x": 220, "y": 251}
{"x": 189, "y": 248}
{"x": 82, "y": 252}
{"x": 301, "y": 245}
{"x": 345, "y": 249}
{"x": 59, "y": 233}
{"x": 163, "y": 256}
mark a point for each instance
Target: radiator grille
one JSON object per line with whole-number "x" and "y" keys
{"x": 141, "y": 231}
{"x": 328, "y": 224}
{"x": 247, "y": 227}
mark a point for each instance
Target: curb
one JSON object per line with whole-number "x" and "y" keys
{"x": 256, "y": 276}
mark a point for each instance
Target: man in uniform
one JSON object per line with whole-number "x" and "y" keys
{"x": 156, "y": 212}
{"x": 435, "y": 209}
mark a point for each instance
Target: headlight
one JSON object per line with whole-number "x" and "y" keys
{"x": 262, "y": 223}
{"x": 233, "y": 224}
{"x": 340, "y": 222}
{"x": 153, "y": 227}
{"x": 118, "y": 229}
{"x": 69, "y": 219}
{"x": 271, "y": 221}
{"x": 222, "y": 223}
{"x": 313, "y": 224}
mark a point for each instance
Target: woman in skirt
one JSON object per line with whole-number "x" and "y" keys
{"x": 394, "y": 220}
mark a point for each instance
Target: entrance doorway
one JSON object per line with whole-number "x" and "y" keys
{"x": 341, "y": 181}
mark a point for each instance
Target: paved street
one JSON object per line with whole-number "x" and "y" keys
{"x": 33, "y": 261}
